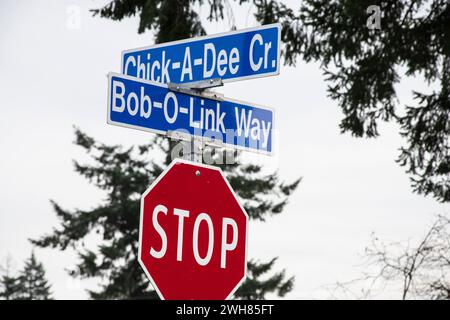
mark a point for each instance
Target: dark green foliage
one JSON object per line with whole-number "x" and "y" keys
{"x": 427, "y": 156}
{"x": 32, "y": 281}
{"x": 30, "y": 284}
{"x": 363, "y": 65}
{"x": 9, "y": 287}
{"x": 256, "y": 289}
{"x": 124, "y": 174}
{"x": 173, "y": 19}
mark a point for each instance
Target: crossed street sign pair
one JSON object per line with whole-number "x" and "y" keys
{"x": 161, "y": 88}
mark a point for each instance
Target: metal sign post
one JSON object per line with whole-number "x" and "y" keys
{"x": 193, "y": 149}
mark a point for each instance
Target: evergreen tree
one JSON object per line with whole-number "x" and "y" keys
{"x": 9, "y": 285}
{"x": 124, "y": 174}
{"x": 364, "y": 62}
{"x": 32, "y": 282}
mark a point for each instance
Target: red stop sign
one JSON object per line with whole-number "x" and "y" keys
{"x": 193, "y": 234}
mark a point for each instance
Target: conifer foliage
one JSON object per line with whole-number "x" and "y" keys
{"x": 30, "y": 284}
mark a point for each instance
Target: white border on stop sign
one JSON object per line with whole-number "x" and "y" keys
{"x": 176, "y": 161}
{"x": 217, "y": 35}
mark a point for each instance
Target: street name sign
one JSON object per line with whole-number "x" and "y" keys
{"x": 151, "y": 106}
{"x": 193, "y": 234}
{"x": 238, "y": 55}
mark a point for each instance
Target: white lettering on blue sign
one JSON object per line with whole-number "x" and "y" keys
{"x": 238, "y": 55}
{"x": 151, "y": 106}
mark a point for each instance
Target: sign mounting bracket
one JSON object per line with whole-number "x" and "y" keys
{"x": 199, "y": 88}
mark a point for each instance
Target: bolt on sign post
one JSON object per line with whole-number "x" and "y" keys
{"x": 193, "y": 234}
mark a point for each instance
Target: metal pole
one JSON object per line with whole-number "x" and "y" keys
{"x": 193, "y": 149}
{"x": 196, "y": 152}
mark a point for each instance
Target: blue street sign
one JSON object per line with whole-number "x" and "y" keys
{"x": 237, "y": 55}
{"x": 151, "y": 106}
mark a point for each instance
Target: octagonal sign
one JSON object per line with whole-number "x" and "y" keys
{"x": 193, "y": 234}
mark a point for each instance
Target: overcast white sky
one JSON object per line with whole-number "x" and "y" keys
{"x": 53, "y": 76}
